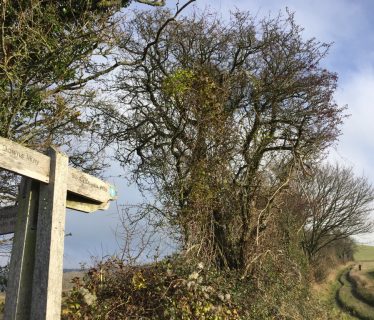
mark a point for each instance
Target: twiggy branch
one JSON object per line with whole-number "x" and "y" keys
{"x": 79, "y": 83}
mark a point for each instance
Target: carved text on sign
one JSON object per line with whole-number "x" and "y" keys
{"x": 17, "y": 154}
{"x": 82, "y": 179}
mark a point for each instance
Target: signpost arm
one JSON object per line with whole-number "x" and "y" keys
{"x": 18, "y": 304}
{"x": 48, "y": 271}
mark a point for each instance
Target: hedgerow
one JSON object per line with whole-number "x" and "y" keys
{"x": 181, "y": 290}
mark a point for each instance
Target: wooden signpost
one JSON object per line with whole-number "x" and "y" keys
{"x": 48, "y": 187}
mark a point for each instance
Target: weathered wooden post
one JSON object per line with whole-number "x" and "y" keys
{"x": 49, "y": 251}
{"x": 22, "y": 261}
{"x": 49, "y": 187}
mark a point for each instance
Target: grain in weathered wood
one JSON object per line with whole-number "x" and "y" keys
{"x": 35, "y": 280}
{"x": 18, "y": 302}
{"x": 8, "y": 218}
{"x": 48, "y": 269}
{"x": 89, "y": 186}
{"x": 75, "y": 202}
{"x": 24, "y": 161}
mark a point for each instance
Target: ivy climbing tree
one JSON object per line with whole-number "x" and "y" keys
{"x": 214, "y": 121}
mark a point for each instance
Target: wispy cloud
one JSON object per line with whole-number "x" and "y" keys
{"x": 356, "y": 145}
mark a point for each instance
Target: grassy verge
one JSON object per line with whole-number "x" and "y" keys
{"x": 327, "y": 291}
{"x": 362, "y": 286}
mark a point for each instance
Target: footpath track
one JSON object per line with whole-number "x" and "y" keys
{"x": 349, "y": 299}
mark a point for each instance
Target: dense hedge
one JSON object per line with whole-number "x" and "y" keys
{"x": 175, "y": 289}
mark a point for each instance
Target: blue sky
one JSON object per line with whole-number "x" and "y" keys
{"x": 349, "y": 25}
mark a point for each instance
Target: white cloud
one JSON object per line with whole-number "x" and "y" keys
{"x": 326, "y": 20}
{"x": 357, "y": 144}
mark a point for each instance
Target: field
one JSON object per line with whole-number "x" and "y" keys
{"x": 364, "y": 253}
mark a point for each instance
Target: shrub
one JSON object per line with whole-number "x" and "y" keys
{"x": 113, "y": 290}
{"x": 179, "y": 289}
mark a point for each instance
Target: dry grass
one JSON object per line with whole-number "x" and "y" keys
{"x": 366, "y": 266}
{"x": 2, "y": 300}
{"x": 324, "y": 288}
{"x": 363, "y": 285}
{"x": 360, "y": 279}
{"x": 326, "y": 292}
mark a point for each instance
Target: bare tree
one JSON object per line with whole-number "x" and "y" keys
{"x": 337, "y": 205}
{"x": 143, "y": 236}
{"x": 210, "y": 113}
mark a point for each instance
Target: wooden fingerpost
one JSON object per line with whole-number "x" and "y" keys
{"x": 18, "y": 293}
{"x": 48, "y": 269}
{"x": 38, "y": 221}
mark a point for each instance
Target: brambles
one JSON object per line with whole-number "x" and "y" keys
{"x": 176, "y": 289}
{"x": 160, "y": 291}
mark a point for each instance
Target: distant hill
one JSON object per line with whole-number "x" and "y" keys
{"x": 72, "y": 270}
{"x": 69, "y": 274}
{"x": 364, "y": 253}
